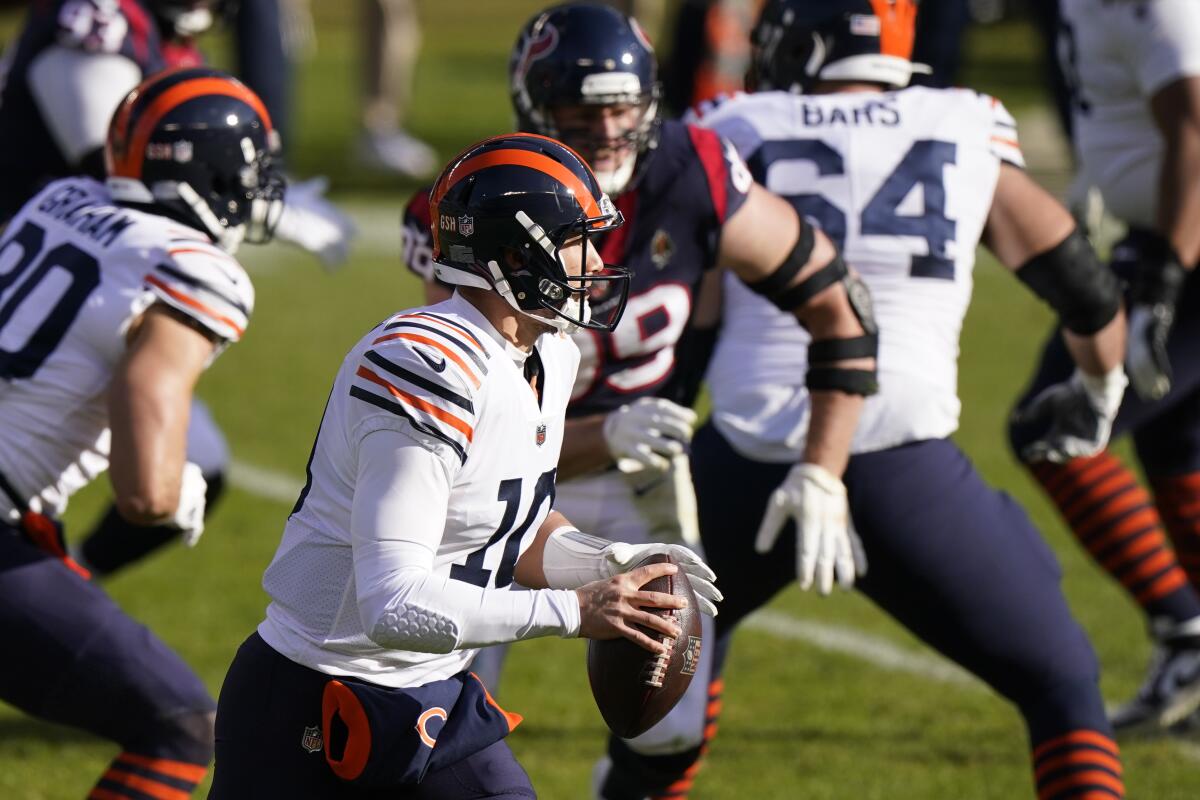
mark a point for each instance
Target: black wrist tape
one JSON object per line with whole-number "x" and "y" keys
{"x": 1070, "y": 278}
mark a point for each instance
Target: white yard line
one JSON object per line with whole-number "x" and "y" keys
{"x": 283, "y": 488}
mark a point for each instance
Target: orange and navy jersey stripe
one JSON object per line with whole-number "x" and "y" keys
{"x": 426, "y": 369}
{"x": 205, "y": 283}
{"x": 134, "y": 777}
{"x": 1002, "y": 137}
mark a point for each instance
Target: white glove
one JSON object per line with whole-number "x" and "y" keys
{"x": 571, "y": 559}
{"x": 189, "y": 516}
{"x": 1079, "y": 412}
{"x": 314, "y": 223}
{"x": 666, "y": 501}
{"x": 648, "y": 431}
{"x": 826, "y": 544}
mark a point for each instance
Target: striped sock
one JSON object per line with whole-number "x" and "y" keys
{"x": 135, "y": 777}
{"x": 680, "y": 788}
{"x": 1178, "y": 500}
{"x": 1081, "y": 765}
{"x": 1111, "y": 515}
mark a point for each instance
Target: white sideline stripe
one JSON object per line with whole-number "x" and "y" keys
{"x": 875, "y": 650}
{"x": 266, "y": 483}
{"x": 872, "y": 649}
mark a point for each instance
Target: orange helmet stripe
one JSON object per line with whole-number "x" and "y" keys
{"x": 520, "y": 158}
{"x": 898, "y": 23}
{"x": 130, "y": 164}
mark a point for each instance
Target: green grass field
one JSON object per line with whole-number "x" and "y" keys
{"x": 802, "y": 720}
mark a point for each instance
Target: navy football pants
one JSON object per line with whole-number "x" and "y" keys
{"x": 955, "y": 561}
{"x": 267, "y": 705}
{"x": 83, "y": 662}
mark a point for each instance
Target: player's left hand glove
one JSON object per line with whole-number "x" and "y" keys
{"x": 189, "y": 515}
{"x": 826, "y": 543}
{"x": 1079, "y": 412}
{"x": 1154, "y": 292}
{"x": 572, "y": 559}
{"x": 314, "y": 223}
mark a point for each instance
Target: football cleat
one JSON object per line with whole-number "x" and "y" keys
{"x": 1171, "y": 691}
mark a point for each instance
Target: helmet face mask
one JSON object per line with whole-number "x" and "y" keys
{"x": 198, "y": 146}
{"x": 575, "y": 61}
{"x": 517, "y": 215}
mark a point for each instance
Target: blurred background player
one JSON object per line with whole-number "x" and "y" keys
{"x": 585, "y": 74}
{"x": 74, "y": 62}
{"x": 909, "y": 181}
{"x": 125, "y": 293}
{"x": 1135, "y": 73}
{"x": 435, "y": 460}
{"x": 392, "y": 32}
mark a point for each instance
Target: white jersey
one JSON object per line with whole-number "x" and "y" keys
{"x": 443, "y": 375}
{"x": 902, "y": 182}
{"x": 75, "y": 271}
{"x": 1116, "y": 56}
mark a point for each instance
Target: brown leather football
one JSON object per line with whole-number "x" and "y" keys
{"x": 635, "y": 688}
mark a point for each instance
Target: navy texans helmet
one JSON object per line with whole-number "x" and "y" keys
{"x": 500, "y": 214}
{"x": 797, "y": 43}
{"x": 586, "y": 54}
{"x": 197, "y": 145}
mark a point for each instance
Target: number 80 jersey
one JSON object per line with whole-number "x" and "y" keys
{"x": 902, "y": 182}
{"x": 75, "y": 271}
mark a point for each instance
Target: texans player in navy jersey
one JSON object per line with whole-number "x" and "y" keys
{"x": 586, "y": 74}
{"x": 74, "y": 62}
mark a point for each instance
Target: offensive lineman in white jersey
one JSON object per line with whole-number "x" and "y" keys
{"x": 1134, "y": 71}
{"x": 113, "y": 300}
{"x": 427, "y": 512}
{"x": 909, "y": 181}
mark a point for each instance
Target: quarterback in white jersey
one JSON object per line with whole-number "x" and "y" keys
{"x": 909, "y": 182}
{"x": 114, "y": 298}
{"x": 425, "y": 530}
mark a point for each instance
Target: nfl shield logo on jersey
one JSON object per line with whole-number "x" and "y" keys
{"x": 466, "y": 225}
{"x": 311, "y": 740}
{"x": 540, "y": 437}
{"x": 661, "y": 248}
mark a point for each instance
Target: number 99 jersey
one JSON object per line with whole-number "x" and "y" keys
{"x": 685, "y": 190}
{"x": 75, "y": 271}
{"x": 902, "y": 182}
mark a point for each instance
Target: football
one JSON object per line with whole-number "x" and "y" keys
{"x": 635, "y": 688}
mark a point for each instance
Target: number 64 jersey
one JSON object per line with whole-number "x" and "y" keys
{"x": 902, "y": 182}
{"x": 75, "y": 271}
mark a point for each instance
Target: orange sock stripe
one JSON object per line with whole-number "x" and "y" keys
{"x": 1148, "y": 568}
{"x": 1080, "y": 738}
{"x": 1059, "y": 479}
{"x": 1077, "y": 780}
{"x": 714, "y": 708}
{"x": 1098, "y": 543}
{"x": 147, "y": 786}
{"x": 98, "y": 793}
{"x": 1076, "y": 485}
{"x": 1077, "y": 758}
{"x": 716, "y": 687}
{"x": 182, "y": 770}
{"x": 1139, "y": 544}
{"x": 1161, "y": 586}
{"x": 1098, "y": 497}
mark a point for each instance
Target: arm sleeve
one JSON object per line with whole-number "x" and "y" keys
{"x": 77, "y": 93}
{"x": 400, "y": 499}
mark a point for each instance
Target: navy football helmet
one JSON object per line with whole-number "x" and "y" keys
{"x": 797, "y": 43}
{"x": 500, "y": 213}
{"x": 587, "y": 55}
{"x": 197, "y": 145}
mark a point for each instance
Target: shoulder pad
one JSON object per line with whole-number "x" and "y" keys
{"x": 428, "y": 369}
{"x": 201, "y": 280}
